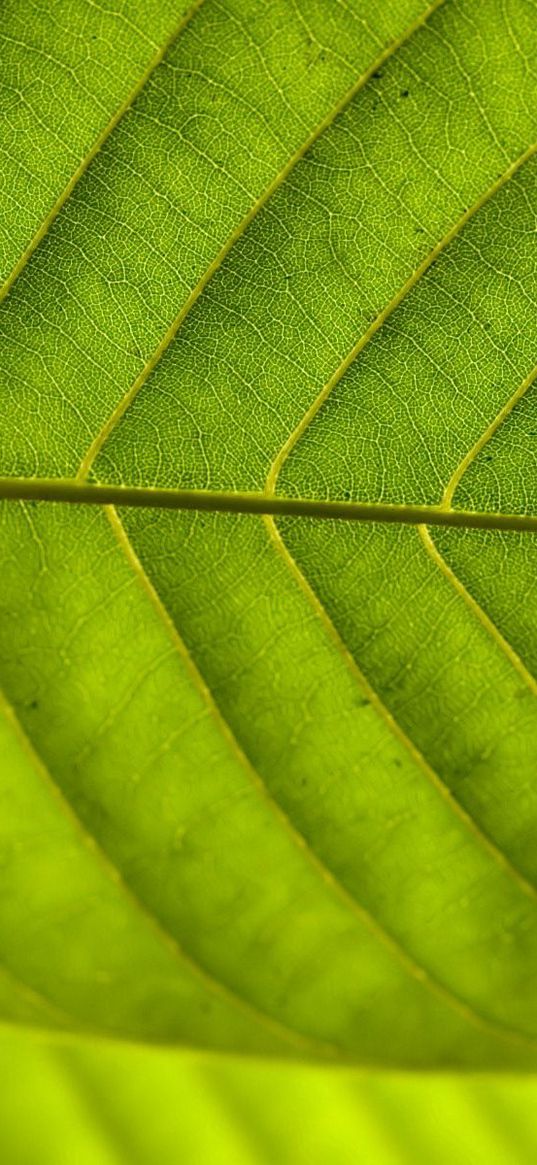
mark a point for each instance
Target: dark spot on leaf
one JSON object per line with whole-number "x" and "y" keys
{"x": 404, "y": 92}
{"x": 377, "y": 76}
{"x": 33, "y": 704}
{"x": 488, "y": 457}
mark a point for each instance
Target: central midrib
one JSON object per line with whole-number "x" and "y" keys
{"x": 69, "y": 492}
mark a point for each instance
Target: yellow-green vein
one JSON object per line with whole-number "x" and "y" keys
{"x": 95, "y": 149}
{"x": 481, "y": 615}
{"x": 170, "y": 334}
{"x": 412, "y": 968}
{"x": 444, "y": 791}
{"x": 69, "y": 492}
{"x": 446, "y": 503}
{"x": 163, "y": 935}
{"x": 384, "y": 315}
{"x": 485, "y": 437}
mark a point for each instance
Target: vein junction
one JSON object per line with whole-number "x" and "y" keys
{"x": 212, "y": 501}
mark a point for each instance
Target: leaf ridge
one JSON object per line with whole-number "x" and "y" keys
{"x": 477, "y": 610}
{"x": 386, "y": 312}
{"x": 485, "y": 842}
{"x": 115, "y": 875}
{"x": 157, "y": 354}
{"x": 486, "y": 436}
{"x": 438, "y": 558}
{"x": 414, "y": 969}
{"x": 95, "y": 149}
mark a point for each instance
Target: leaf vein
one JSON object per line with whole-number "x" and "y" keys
{"x": 94, "y": 151}
{"x": 412, "y": 968}
{"x": 155, "y": 357}
{"x": 116, "y": 876}
{"x": 485, "y": 842}
{"x": 387, "y": 311}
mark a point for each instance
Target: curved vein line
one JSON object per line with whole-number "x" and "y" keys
{"x": 437, "y": 987}
{"x": 387, "y": 311}
{"x": 238, "y": 232}
{"x": 484, "y": 841}
{"x": 413, "y": 969}
{"x": 95, "y": 149}
{"x": 480, "y": 614}
{"x": 115, "y": 875}
{"x": 486, "y": 436}
{"x": 434, "y": 553}
{"x": 36, "y": 998}
{"x": 270, "y": 485}
{"x": 27, "y": 992}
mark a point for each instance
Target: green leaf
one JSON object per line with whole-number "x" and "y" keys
{"x": 268, "y": 780}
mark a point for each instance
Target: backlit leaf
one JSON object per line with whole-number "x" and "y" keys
{"x": 268, "y": 782}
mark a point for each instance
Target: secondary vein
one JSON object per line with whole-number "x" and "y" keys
{"x": 121, "y": 408}
{"x": 478, "y": 612}
{"x": 486, "y": 436}
{"x": 499, "y": 857}
{"x": 115, "y": 875}
{"x": 387, "y": 311}
{"x": 438, "y": 558}
{"x": 95, "y": 149}
{"x": 415, "y": 970}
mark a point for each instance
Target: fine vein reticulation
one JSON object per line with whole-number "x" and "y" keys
{"x": 225, "y": 729}
{"x": 237, "y": 234}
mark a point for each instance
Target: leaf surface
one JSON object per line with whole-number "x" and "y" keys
{"x": 269, "y": 786}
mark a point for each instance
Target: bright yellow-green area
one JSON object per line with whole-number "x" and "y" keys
{"x": 61, "y": 1103}
{"x": 268, "y": 790}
